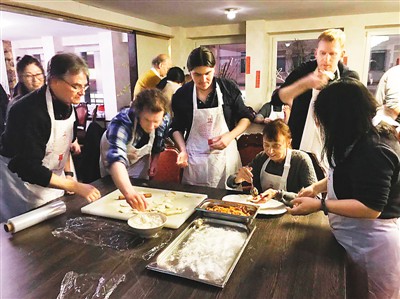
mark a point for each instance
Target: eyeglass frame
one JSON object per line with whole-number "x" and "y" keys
{"x": 74, "y": 87}
{"x": 36, "y": 76}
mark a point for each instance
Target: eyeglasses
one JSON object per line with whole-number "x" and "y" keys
{"x": 38, "y": 76}
{"x": 76, "y": 87}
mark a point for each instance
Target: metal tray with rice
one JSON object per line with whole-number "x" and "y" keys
{"x": 225, "y": 210}
{"x": 206, "y": 251}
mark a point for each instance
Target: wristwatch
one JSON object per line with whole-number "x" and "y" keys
{"x": 70, "y": 173}
{"x": 323, "y": 206}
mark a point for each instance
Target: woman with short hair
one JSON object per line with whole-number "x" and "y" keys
{"x": 278, "y": 171}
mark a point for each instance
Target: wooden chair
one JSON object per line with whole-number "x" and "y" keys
{"x": 249, "y": 146}
{"x": 168, "y": 171}
{"x": 82, "y": 114}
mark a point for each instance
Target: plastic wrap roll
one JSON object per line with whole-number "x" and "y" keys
{"x": 36, "y": 216}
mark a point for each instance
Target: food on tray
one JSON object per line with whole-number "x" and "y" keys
{"x": 124, "y": 204}
{"x": 260, "y": 198}
{"x": 263, "y": 197}
{"x": 233, "y": 210}
{"x": 164, "y": 205}
{"x": 127, "y": 210}
{"x": 146, "y": 195}
{"x": 170, "y": 194}
{"x": 207, "y": 254}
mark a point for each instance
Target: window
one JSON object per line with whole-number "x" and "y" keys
{"x": 94, "y": 95}
{"x": 384, "y": 53}
{"x": 230, "y": 62}
{"x": 291, "y": 54}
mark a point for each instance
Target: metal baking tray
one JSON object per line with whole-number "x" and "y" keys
{"x": 202, "y": 208}
{"x": 206, "y": 251}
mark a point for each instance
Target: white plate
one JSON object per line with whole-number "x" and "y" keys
{"x": 271, "y": 207}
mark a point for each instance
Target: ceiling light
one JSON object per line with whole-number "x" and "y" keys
{"x": 231, "y": 13}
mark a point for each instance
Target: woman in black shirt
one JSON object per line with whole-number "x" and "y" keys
{"x": 363, "y": 187}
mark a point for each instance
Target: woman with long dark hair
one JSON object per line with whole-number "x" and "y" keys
{"x": 363, "y": 187}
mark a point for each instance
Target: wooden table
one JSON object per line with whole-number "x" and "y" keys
{"x": 287, "y": 257}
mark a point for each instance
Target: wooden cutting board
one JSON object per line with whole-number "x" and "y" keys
{"x": 111, "y": 207}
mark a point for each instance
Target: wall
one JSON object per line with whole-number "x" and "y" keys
{"x": 181, "y": 46}
{"x": 113, "y": 60}
{"x": 149, "y": 47}
{"x": 260, "y": 35}
{"x": 90, "y": 13}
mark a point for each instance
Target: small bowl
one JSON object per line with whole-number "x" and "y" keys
{"x": 147, "y": 224}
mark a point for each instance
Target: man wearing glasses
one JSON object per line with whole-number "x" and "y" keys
{"x": 35, "y": 146}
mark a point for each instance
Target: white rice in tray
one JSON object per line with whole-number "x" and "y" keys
{"x": 207, "y": 254}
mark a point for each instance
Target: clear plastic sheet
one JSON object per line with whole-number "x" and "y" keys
{"x": 112, "y": 234}
{"x": 106, "y": 234}
{"x": 99, "y": 232}
{"x": 88, "y": 286}
{"x": 165, "y": 239}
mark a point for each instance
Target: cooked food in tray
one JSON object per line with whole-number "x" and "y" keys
{"x": 232, "y": 211}
{"x": 238, "y": 210}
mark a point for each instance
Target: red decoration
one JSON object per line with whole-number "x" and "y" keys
{"x": 258, "y": 79}
{"x": 247, "y": 65}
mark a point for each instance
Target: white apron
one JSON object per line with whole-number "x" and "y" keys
{"x": 311, "y": 140}
{"x": 273, "y": 181}
{"x": 18, "y": 196}
{"x": 373, "y": 245}
{"x": 209, "y": 167}
{"x": 138, "y": 167}
{"x": 276, "y": 114}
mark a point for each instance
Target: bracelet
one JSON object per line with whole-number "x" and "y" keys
{"x": 323, "y": 206}
{"x": 70, "y": 173}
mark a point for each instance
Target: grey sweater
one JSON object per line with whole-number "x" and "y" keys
{"x": 301, "y": 172}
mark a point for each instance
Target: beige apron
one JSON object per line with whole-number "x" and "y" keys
{"x": 209, "y": 167}
{"x": 138, "y": 167}
{"x": 373, "y": 245}
{"x": 275, "y": 182}
{"x": 18, "y": 196}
